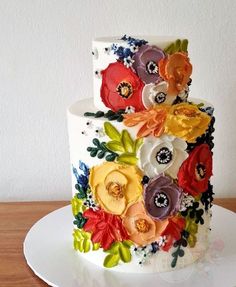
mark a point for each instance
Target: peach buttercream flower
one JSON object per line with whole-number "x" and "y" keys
{"x": 115, "y": 186}
{"x": 176, "y": 70}
{"x": 152, "y": 120}
{"x": 141, "y": 228}
{"x": 186, "y": 121}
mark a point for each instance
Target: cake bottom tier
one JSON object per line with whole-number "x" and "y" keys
{"x": 82, "y": 132}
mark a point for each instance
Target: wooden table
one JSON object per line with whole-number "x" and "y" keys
{"x": 15, "y": 221}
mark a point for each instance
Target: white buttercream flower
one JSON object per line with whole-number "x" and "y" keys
{"x": 162, "y": 155}
{"x": 128, "y": 62}
{"x": 186, "y": 201}
{"x": 162, "y": 241}
{"x": 99, "y": 132}
{"x": 154, "y": 94}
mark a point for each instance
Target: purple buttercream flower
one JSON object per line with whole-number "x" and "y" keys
{"x": 162, "y": 197}
{"x": 146, "y": 63}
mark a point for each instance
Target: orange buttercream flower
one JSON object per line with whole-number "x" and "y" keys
{"x": 176, "y": 70}
{"x": 153, "y": 121}
{"x": 141, "y": 228}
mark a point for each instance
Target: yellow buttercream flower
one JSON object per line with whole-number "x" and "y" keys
{"x": 115, "y": 186}
{"x": 186, "y": 121}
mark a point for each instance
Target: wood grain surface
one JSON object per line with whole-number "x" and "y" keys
{"x": 15, "y": 221}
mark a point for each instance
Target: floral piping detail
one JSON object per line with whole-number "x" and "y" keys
{"x": 83, "y": 198}
{"x": 179, "y": 252}
{"x": 100, "y": 150}
{"x": 186, "y": 201}
{"x": 82, "y": 241}
{"x": 121, "y": 147}
{"x": 115, "y": 186}
{"x": 177, "y": 46}
{"x": 125, "y": 54}
{"x": 152, "y": 120}
{"x": 163, "y": 154}
{"x": 109, "y": 115}
{"x": 207, "y": 197}
{"x": 119, "y": 251}
{"x": 121, "y": 87}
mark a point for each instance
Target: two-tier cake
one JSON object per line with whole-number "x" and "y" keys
{"x": 141, "y": 155}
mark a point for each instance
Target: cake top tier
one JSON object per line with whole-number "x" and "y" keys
{"x": 139, "y": 72}
{"x": 160, "y": 41}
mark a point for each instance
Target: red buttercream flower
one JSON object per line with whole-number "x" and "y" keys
{"x": 106, "y": 228}
{"x": 196, "y": 170}
{"x": 173, "y": 231}
{"x": 121, "y": 88}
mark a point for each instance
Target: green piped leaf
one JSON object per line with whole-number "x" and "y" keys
{"x": 137, "y": 144}
{"x": 77, "y": 205}
{"x": 114, "y": 248}
{"x": 192, "y": 240}
{"x": 86, "y": 245}
{"x": 93, "y": 153}
{"x": 118, "y": 251}
{"x": 111, "y": 260}
{"x": 121, "y": 148}
{"x": 128, "y": 158}
{"x": 110, "y": 115}
{"x": 101, "y": 154}
{"x": 192, "y": 228}
{"x": 81, "y": 192}
{"x": 82, "y": 241}
{"x": 200, "y": 105}
{"x": 99, "y": 114}
{"x": 125, "y": 254}
{"x": 115, "y": 146}
{"x": 96, "y": 142}
{"x": 89, "y": 114}
{"x": 127, "y": 141}
{"x": 184, "y": 45}
{"x": 177, "y": 253}
{"x": 177, "y": 46}
{"x": 96, "y": 246}
{"x": 127, "y": 243}
{"x": 111, "y": 157}
{"x": 111, "y": 131}
{"x": 100, "y": 150}
{"x": 79, "y": 220}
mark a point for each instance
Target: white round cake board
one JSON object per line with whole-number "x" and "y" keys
{"x": 49, "y": 252}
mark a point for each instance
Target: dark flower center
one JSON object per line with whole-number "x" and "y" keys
{"x": 161, "y": 200}
{"x": 142, "y": 225}
{"x": 151, "y": 67}
{"x": 200, "y": 171}
{"x": 145, "y": 180}
{"x": 164, "y": 156}
{"x": 160, "y": 97}
{"x": 124, "y": 89}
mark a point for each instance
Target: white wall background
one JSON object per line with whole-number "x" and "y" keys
{"x": 45, "y": 65}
